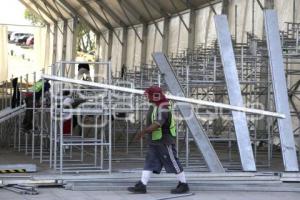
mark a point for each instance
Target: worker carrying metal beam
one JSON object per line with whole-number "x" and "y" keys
{"x": 161, "y": 132}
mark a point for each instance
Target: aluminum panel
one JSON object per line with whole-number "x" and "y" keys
{"x": 234, "y": 93}
{"x": 280, "y": 91}
{"x": 199, "y": 135}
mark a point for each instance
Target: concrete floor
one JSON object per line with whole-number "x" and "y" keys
{"x": 121, "y": 194}
{"x": 62, "y": 194}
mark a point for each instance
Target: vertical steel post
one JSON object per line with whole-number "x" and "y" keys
{"x": 33, "y": 117}
{"x": 109, "y": 75}
{"x": 42, "y": 119}
{"x": 26, "y": 132}
{"x": 19, "y": 116}
{"x": 61, "y": 124}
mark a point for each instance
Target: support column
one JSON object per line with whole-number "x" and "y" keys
{"x": 97, "y": 58}
{"x": 64, "y": 47}
{"x": 74, "y": 44}
{"x": 75, "y": 34}
{"x": 54, "y": 54}
{"x": 65, "y": 37}
{"x": 144, "y": 44}
{"x": 225, "y": 7}
{"x": 166, "y": 35}
{"x": 269, "y": 4}
{"x": 192, "y": 24}
{"x": 207, "y": 28}
{"x": 109, "y": 45}
{"x": 124, "y": 46}
{"x": 47, "y": 46}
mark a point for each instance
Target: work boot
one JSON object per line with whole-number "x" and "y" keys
{"x": 139, "y": 188}
{"x": 181, "y": 188}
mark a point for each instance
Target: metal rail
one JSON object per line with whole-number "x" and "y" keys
{"x": 171, "y": 97}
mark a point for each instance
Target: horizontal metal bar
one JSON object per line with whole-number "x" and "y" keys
{"x": 171, "y": 97}
{"x": 78, "y": 62}
{"x": 85, "y": 171}
{"x": 86, "y": 144}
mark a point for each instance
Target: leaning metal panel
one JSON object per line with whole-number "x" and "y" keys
{"x": 280, "y": 91}
{"x": 188, "y": 114}
{"x": 234, "y": 93}
{"x": 8, "y": 113}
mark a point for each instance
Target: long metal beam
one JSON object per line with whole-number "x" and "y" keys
{"x": 171, "y": 97}
{"x": 287, "y": 141}
{"x": 200, "y": 137}
{"x": 234, "y": 93}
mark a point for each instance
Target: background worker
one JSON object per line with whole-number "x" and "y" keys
{"x": 15, "y": 100}
{"x": 35, "y": 91}
{"x": 84, "y": 69}
{"x": 161, "y": 132}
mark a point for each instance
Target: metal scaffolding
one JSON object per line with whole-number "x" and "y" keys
{"x": 93, "y": 147}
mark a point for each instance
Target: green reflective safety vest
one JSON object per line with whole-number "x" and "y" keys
{"x": 38, "y": 86}
{"x": 157, "y": 134}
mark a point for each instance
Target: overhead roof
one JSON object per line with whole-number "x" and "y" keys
{"x": 108, "y": 14}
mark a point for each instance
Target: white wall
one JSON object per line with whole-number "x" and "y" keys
{"x": 71, "y": 38}
{"x": 134, "y": 45}
{"x": 285, "y": 11}
{"x": 3, "y": 53}
{"x": 178, "y": 35}
{"x": 154, "y": 40}
{"x": 244, "y": 19}
{"x": 117, "y": 51}
{"x": 103, "y": 55}
{"x": 59, "y": 49}
{"x": 41, "y": 47}
{"x": 205, "y": 28}
{"x": 51, "y": 44}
